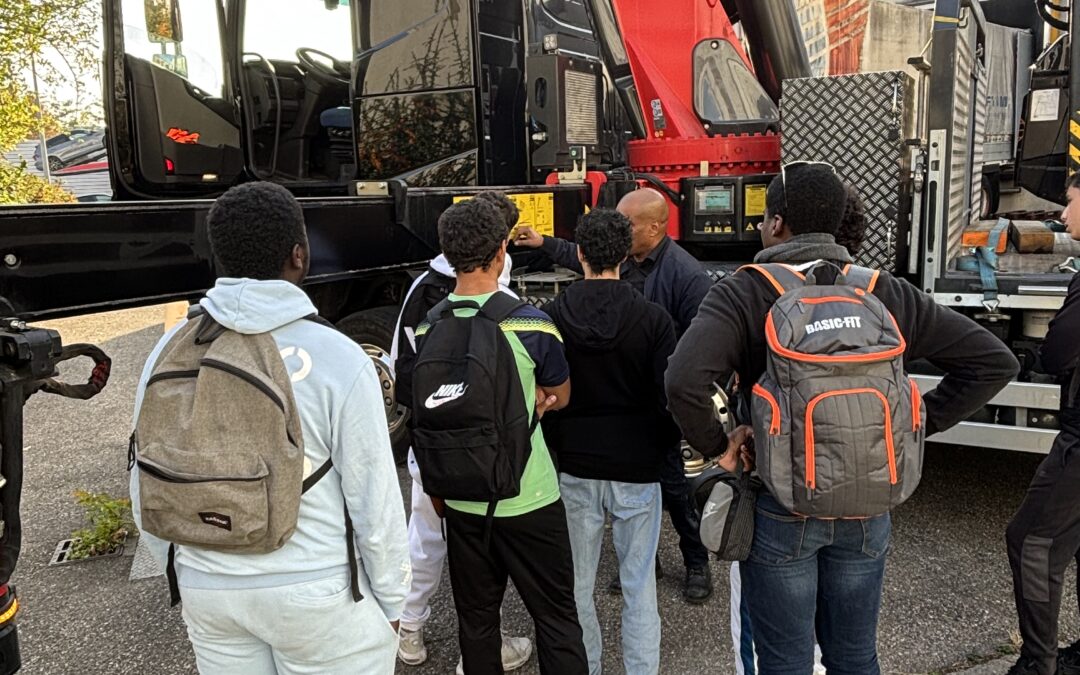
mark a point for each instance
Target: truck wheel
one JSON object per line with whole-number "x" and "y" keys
{"x": 373, "y": 329}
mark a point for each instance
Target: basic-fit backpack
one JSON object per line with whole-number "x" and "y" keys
{"x": 838, "y": 425}
{"x": 218, "y": 442}
{"x": 471, "y": 429}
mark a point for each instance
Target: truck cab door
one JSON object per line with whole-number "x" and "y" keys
{"x": 172, "y": 129}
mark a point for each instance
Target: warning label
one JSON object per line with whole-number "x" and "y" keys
{"x": 535, "y": 210}
{"x": 754, "y": 200}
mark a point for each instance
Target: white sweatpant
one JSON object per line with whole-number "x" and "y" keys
{"x": 300, "y": 629}
{"x": 427, "y": 551}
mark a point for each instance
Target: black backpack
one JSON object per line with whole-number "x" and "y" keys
{"x": 471, "y": 429}
{"x": 430, "y": 291}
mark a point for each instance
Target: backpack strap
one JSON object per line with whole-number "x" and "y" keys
{"x": 782, "y": 277}
{"x": 354, "y": 569}
{"x": 445, "y": 307}
{"x": 861, "y": 277}
{"x": 317, "y": 475}
{"x": 500, "y": 306}
{"x": 170, "y": 575}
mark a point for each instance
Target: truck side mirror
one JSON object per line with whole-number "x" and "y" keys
{"x": 163, "y": 21}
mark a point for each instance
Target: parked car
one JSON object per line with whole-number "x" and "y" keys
{"x": 71, "y": 148}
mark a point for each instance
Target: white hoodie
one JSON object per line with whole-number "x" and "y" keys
{"x": 339, "y": 399}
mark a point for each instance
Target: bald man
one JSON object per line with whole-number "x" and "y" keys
{"x": 666, "y": 274}
{"x": 660, "y": 269}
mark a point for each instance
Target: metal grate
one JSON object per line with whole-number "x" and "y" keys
{"x": 61, "y": 556}
{"x": 859, "y": 124}
{"x": 581, "y": 108}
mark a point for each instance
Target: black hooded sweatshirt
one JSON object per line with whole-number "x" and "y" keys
{"x": 616, "y": 426}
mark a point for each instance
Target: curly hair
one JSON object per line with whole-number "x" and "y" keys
{"x": 471, "y": 233}
{"x": 603, "y": 235}
{"x": 505, "y": 205}
{"x": 810, "y": 201}
{"x": 253, "y": 229}
{"x": 852, "y": 228}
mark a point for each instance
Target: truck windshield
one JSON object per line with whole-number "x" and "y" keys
{"x": 275, "y": 29}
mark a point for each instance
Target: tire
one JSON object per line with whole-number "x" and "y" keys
{"x": 991, "y": 195}
{"x": 373, "y": 329}
{"x": 55, "y": 164}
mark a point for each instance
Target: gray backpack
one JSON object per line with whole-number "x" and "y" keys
{"x": 838, "y": 425}
{"x": 218, "y": 444}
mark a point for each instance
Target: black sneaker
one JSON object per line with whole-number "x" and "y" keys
{"x": 698, "y": 586}
{"x": 615, "y": 587}
{"x": 1069, "y": 660}
{"x": 1024, "y": 666}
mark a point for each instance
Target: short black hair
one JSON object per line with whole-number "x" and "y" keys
{"x": 253, "y": 229}
{"x": 811, "y": 200}
{"x": 603, "y": 235}
{"x": 470, "y": 234}
{"x": 1073, "y": 181}
{"x": 505, "y": 205}
{"x": 852, "y": 230}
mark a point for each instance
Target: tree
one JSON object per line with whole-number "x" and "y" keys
{"x": 29, "y": 31}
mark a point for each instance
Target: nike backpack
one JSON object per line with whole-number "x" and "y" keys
{"x": 838, "y": 425}
{"x": 471, "y": 429}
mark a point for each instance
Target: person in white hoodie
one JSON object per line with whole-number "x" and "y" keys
{"x": 427, "y": 547}
{"x": 292, "y": 610}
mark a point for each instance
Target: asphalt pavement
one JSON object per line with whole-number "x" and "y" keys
{"x": 947, "y": 602}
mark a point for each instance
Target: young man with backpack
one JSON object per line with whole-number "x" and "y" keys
{"x": 427, "y": 548}
{"x": 610, "y": 441}
{"x": 850, "y": 235}
{"x": 487, "y": 368}
{"x": 665, "y": 273}
{"x": 262, "y": 468}
{"x": 1043, "y": 537}
{"x": 819, "y": 349}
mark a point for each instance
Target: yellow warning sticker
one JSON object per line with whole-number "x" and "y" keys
{"x": 535, "y": 210}
{"x": 754, "y": 200}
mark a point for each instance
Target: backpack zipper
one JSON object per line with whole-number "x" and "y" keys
{"x": 890, "y": 449}
{"x": 162, "y": 475}
{"x": 171, "y": 375}
{"x": 247, "y": 377}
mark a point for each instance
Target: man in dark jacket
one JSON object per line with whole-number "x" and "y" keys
{"x": 666, "y": 274}
{"x": 802, "y": 569}
{"x": 611, "y": 439}
{"x": 1044, "y": 535}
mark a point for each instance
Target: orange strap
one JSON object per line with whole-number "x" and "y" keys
{"x": 763, "y": 270}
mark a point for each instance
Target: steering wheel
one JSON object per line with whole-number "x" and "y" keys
{"x": 335, "y": 73}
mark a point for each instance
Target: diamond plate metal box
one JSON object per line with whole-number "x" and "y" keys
{"x": 859, "y": 124}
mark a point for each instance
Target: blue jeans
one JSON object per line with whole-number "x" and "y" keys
{"x": 635, "y": 514}
{"x": 805, "y": 574}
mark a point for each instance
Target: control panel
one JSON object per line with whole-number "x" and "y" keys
{"x": 723, "y": 208}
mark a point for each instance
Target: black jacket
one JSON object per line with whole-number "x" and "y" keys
{"x": 616, "y": 426}
{"x": 429, "y": 291}
{"x": 1060, "y": 355}
{"x": 678, "y": 283}
{"x": 728, "y": 336}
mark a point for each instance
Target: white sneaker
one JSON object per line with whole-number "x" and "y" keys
{"x": 515, "y": 653}
{"x": 411, "y": 649}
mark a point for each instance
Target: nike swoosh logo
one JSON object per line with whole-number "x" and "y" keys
{"x": 433, "y": 402}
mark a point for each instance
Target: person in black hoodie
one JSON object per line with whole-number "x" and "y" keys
{"x": 611, "y": 439}
{"x": 1044, "y": 535}
{"x": 665, "y": 273}
{"x": 806, "y": 575}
